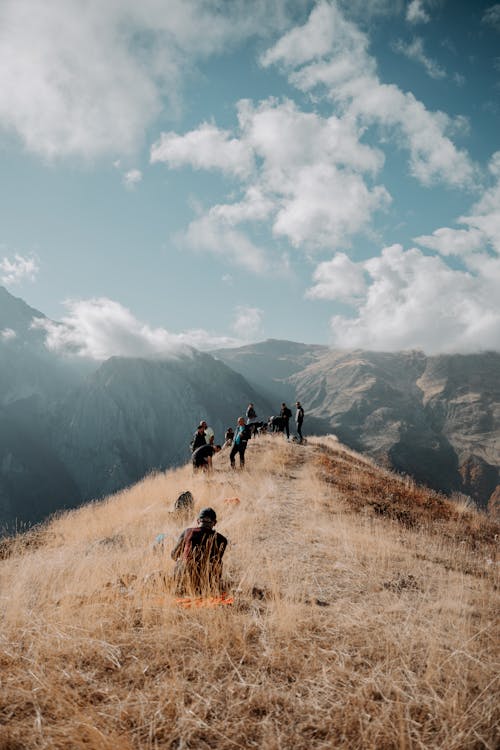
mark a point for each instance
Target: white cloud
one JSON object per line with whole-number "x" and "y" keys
{"x": 415, "y": 51}
{"x": 448, "y": 241}
{"x": 339, "y": 279}
{"x": 248, "y": 322}
{"x": 209, "y": 234}
{"x": 406, "y": 299}
{"x": 102, "y": 328}
{"x": 204, "y": 148}
{"x": 132, "y": 178}
{"x": 483, "y": 224}
{"x": 7, "y": 334}
{"x": 88, "y": 78}
{"x": 330, "y": 53}
{"x": 416, "y": 13}
{"x": 310, "y": 185}
{"x": 418, "y": 301}
{"x": 19, "y": 269}
{"x": 326, "y": 32}
{"x": 491, "y": 16}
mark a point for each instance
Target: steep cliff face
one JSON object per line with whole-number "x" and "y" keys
{"x": 27, "y": 368}
{"x": 436, "y": 418}
{"x": 134, "y": 415}
{"x": 33, "y": 480}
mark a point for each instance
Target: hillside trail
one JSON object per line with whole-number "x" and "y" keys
{"x": 288, "y": 526}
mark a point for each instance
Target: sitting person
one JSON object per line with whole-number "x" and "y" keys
{"x": 198, "y": 555}
{"x": 202, "y": 456}
{"x": 228, "y": 437}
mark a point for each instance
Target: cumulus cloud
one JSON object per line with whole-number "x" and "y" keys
{"x": 447, "y": 241}
{"x": 483, "y": 223}
{"x": 314, "y": 186}
{"x": 132, "y": 178}
{"x": 17, "y": 270}
{"x": 407, "y": 299}
{"x": 414, "y": 50}
{"x": 338, "y": 279}
{"x": 247, "y": 322}
{"x": 416, "y": 13}
{"x": 204, "y": 148}
{"x": 416, "y": 301}
{"x": 209, "y": 234}
{"x": 102, "y": 328}
{"x": 491, "y": 16}
{"x": 87, "y": 79}
{"x": 7, "y": 334}
{"x": 329, "y": 54}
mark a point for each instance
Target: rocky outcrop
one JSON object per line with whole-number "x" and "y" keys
{"x": 436, "y": 418}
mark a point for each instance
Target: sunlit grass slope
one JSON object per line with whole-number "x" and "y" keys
{"x": 365, "y": 616}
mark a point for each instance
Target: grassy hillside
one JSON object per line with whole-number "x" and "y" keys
{"x": 364, "y": 616}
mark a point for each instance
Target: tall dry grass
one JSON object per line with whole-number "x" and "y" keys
{"x": 352, "y": 626}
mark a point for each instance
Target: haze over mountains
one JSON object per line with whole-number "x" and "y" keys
{"x": 73, "y": 429}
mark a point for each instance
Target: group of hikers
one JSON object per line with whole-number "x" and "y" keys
{"x": 199, "y": 550}
{"x": 203, "y": 444}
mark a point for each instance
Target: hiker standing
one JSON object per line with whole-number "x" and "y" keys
{"x": 199, "y": 437}
{"x": 198, "y": 555}
{"x": 250, "y": 413}
{"x": 285, "y": 414}
{"x": 299, "y": 418}
{"x": 241, "y": 437}
{"x": 252, "y": 419}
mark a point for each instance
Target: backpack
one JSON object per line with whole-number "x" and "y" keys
{"x": 246, "y": 433}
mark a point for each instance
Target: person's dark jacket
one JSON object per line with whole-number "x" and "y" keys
{"x": 198, "y": 552}
{"x": 201, "y": 454}
{"x": 198, "y": 440}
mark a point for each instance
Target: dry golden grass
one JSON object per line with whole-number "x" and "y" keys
{"x": 365, "y": 616}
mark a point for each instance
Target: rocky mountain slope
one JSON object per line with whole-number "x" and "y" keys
{"x": 73, "y": 430}
{"x": 134, "y": 415}
{"x": 436, "y": 418}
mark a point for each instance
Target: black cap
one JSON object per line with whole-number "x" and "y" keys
{"x": 208, "y": 513}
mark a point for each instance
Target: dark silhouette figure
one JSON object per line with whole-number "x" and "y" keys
{"x": 299, "y": 418}
{"x": 198, "y": 555}
{"x": 285, "y": 414}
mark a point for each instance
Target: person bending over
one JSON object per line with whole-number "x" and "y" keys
{"x": 198, "y": 555}
{"x": 202, "y": 456}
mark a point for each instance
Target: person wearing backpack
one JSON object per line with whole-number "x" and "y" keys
{"x": 299, "y": 418}
{"x": 241, "y": 437}
{"x": 285, "y": 414}
{"x": 198, "y": 555}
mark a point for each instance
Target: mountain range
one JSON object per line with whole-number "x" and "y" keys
{"x": 73, "y": 430}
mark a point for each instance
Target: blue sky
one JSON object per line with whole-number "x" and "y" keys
{"x": 192, "y": 172}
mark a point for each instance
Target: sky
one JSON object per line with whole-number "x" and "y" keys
{"x": 216, "y": 173}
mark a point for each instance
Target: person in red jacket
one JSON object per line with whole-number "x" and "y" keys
{"x": 198, "y": 555}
